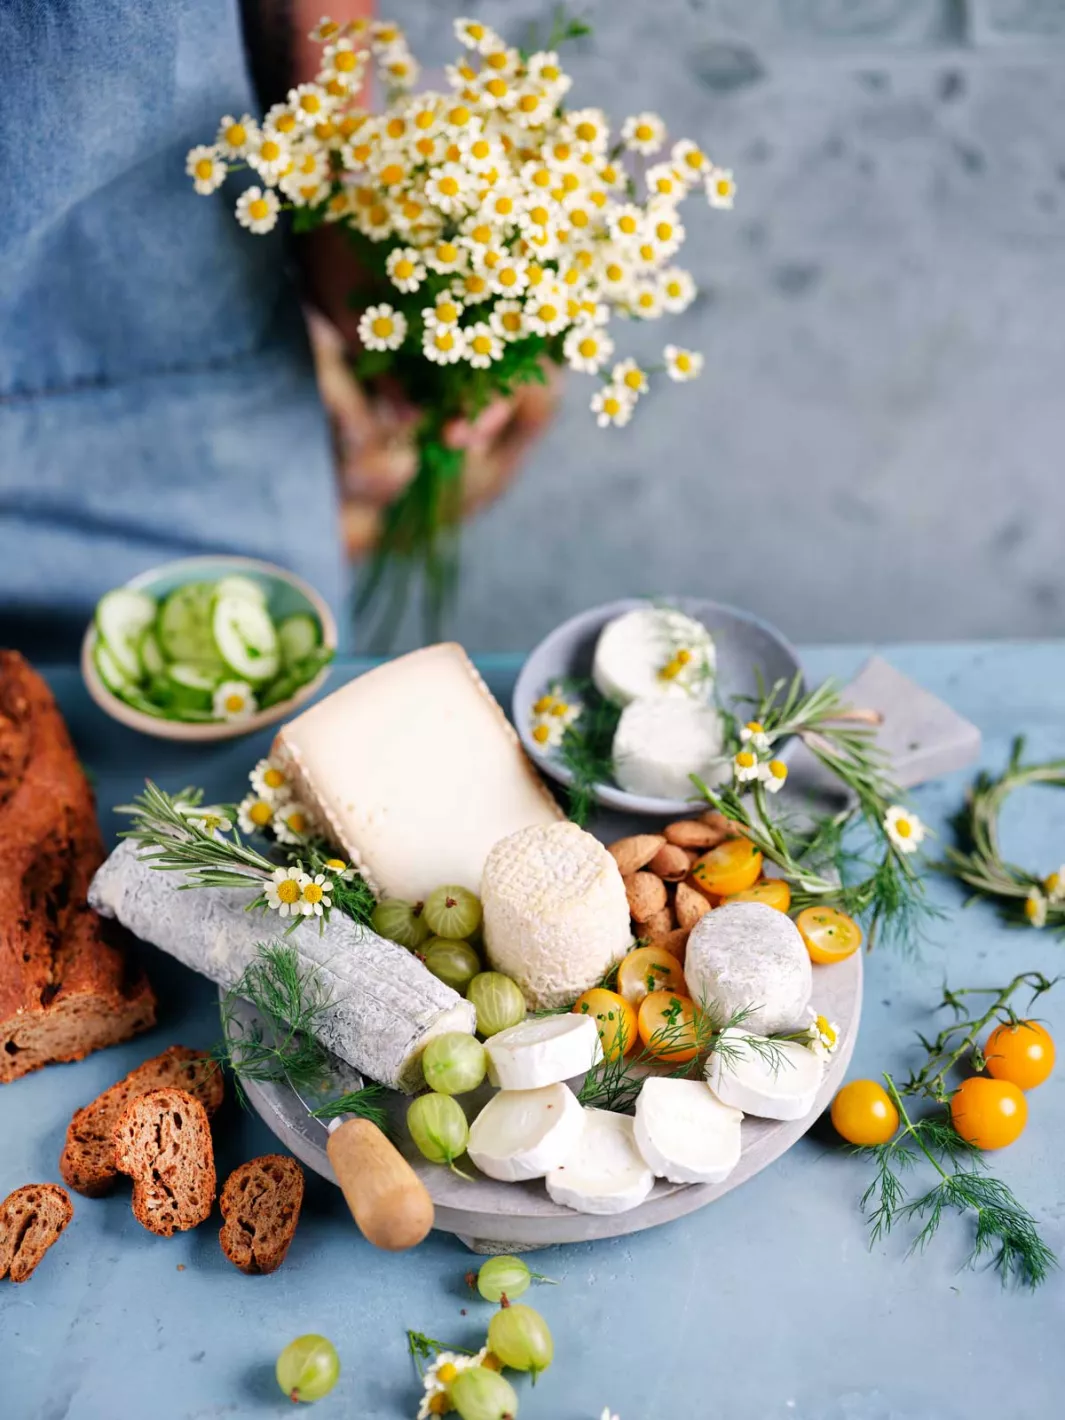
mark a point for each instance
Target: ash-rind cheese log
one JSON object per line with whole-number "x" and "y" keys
{"x": 383, "y": 1004}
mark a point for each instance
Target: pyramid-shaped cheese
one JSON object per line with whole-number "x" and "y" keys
{"x": 415, "y": 772}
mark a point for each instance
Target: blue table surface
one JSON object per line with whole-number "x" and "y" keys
{"x": 767, "y": 1304}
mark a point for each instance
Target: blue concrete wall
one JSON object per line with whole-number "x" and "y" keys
{"x": 875, "y": 448}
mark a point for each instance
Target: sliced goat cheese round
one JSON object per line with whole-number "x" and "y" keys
{"x": 654, "y": 651}
{"x": 556, "y": 916}
{"x": 524, "y": 1134}
{"x": 659, "y": 744}
{"x": 543, "y": 1051}
{"x": 684, "y": 1133}
{"x": 771, "y": 1079}
{"x": 605, "y": 1173}
{"x": 747, "y": 956}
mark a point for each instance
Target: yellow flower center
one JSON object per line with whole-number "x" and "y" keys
{"x": 475, "y": 31}
{"x": 579, "y": 218}
{"x": 345, "y": 61}
{"x": 508, "y": 276}
{"x": 310, "y": 103}
{"x": 482, "y": 233}
{"x": 257, "y": 210}
{"x": 1052, "y": 882}
{"x": 324, "y": 131}
{"x": 361, "y": 152}
{"x": 826, "y": 1029}
{"x": 404, "y": 268}
{"x": 327, "y": 29}
{"x": 270, "y": 151}
{"x": 634, "y": 379}
{"x": 528, "y": 103}
{"x": 778, "y": 769}
{"x": 482, "y": 345}
{"x": 336, "y": 88}
{"x": 613, "y": 272}
{"x": 312, "y": 892}
{"x": 645, "y": 300}
{"x": 1032, "y": 906}
{"x": 903, "y": 827}
{"x": 664, "y": 231}
{"x": 745, "y": 759}
{"x": 511, "y": 320}
{"x": 586, "y": 132}
{"x": 755, "y": 726}
{"x": 204, "y": 168}
{"x": 570, "y": 182}
{"x": 673, "y": 289}
{"x": 475, "y": 284}
{"x": 350, "y": 123}
{"x": 644, "y": 132}
{"x": 444, "y": 340}
{"x": 503, "y": 205}
{"x": 449, "y": 186}
{"x": 550, "y": 72}
{"x": 382, "y": 327}
{"x": 683, "y": 362}
{"x": 627, "y": 224}
{"x": 723, "y": 186}
{"x": 236, "y": 135}
{"x": 534, "y": 274}
{"x": 647, "y": 252}
{"x": 541, "y": 177}
{"x": 337, "y": 863}
{"x": 288, "y": 890}
{"x": 540, "y": 216}
{"x": 412, "y": 210}
{"x": 260, "y": 813}
{"x": 459, "y": 116}
{"x": 447, "y": 311}
{"x": 296, "y": 822}
{"x": 497, "y": 88}
{"x": 378, "y": 215}
{"x": 423, "y": 119}
{"x": 395, "y": 127}
{"x": 543, "y": 705}
{"x": 611, "y": 405}
{"x": 541, "y": 734}
{"x": 695, "y": 159}
{"x": 588, "y": 347}
{"x": 273, "y": 778}
{"x": 285, "y": 123}
{"x": 392, "y": 173}
{"x": 548, "y": 312}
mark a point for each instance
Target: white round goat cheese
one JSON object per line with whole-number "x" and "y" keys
{"x": 684, "y": 1133}
{"x": 556, "y": 917}
{"x": 778, "y": 1081}
{"x": 659, "y": 744}
{"x": 654, "y": 651}
{"x": 523, "y": 1134}
{"x": 543, "y": 1051}
{"x": 605, "y": 1173}
{"x": 747, "y": 956}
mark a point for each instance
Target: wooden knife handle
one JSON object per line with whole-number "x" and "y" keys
{"x": 387, "y": 1198}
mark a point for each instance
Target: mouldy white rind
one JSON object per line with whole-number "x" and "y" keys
{"x": 684, "y": 1133}
{"x": 747, "y": 955}
{"x": 633, "y": 648}
{"x": 782, "y": 1087}
{"x": 522, "y": 1134}
{"x": 605, "y": 1172}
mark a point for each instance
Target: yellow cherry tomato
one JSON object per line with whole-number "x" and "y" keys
{"x": 830, "y": 935}
{"x": 667, "y": 1027}
{"x": 774, "y": 892}
{"x": 991, "y": 1114}
{"x": 650, "y": 969}
{"x": 614, "y": 1018}
{"x": 864, "y": 1113}
{"x": 729, "y": 868}
{"x": 1022, "y": 1053}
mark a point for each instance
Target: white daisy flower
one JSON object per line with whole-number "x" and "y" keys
{"x": 310, "y": 103}
{"x": 316, "y": 899}
{"x": 483, "y": 346}
{"x": 533, "y": 106}
{"x": 545, "y": 309}
{"x": 773, "y": 775}
{"x": 405, "y": 268}
{"x": 643, "y": 133}
{"x": 547, "y": 733}
{"x": 480, "y": 153}
{"x": 255, "y": 814}
{"x": 613, "y": 404}
{"x": 482, "y": 39}
{"x": 281, "y": 120}
{"x": 344, "y": 872}
{"x": 284, "y": 891}
{"x": 507, "y": 319}
{"x": 496, "y": 91}
{"x": 1054, "y": 885}
{"x": 905, "y": 830}
{"x": 382, "y": 327}
{"x": 345, "y": 60}
{"x": 590, "y": 127}
{"x": 1035, "y": 908}
{"x": 745, "y": 767}
{"x": 326, "y": 29}
{"x": 754, "y": 736}
{"x": 310, "y": 166}
{"x": 606, "y": 1415}
{"x": 509, "y": 276}
{"x": 682, "y": 364}
{"x": 664, "y": 183}
{"x": 292, "y": 822}
{"x": 500, "y": 204}
{"x": 645, "y": 300}
{"x": 678, "y": 289}
{"x": 446, "y": 257}
{"x": 234, "y": 699}
{"x": 473, "y": 287}
{"x": 664, "y": 231}
{"x": 398, "y": 67}
{"x": 206, "y": 168}
{"x": 822, "y": 1036}
{"x": 272, "y": 156}
{"x": 446, "y": 312}
{"x": 613, "y": 274}
{"x": 208, "y": 819}
{"x": 544, "y": 68}
{"x": 374, "y": 221}
{"x": 444, "y": 344}
{"x": 720, "y": 187}
{"x": 587, "y": 348}
{"x": 625, "y": 221}
{"x": 438, "y": 1377}
{"x": 552, "y": 715}
{"x": 271, "y": 780}
{"x": 629, "y": 375}
{"x": 690, "y": 161}
{"x": 384, "y": 34}
{"x": 237, "y": 135}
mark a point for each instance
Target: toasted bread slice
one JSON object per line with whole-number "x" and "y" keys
{"x": 261, "y": 1204}
{"x": 163, "y": 1141}
{"x": 87, "y": 1162}
{"x": 31, "y": 1219}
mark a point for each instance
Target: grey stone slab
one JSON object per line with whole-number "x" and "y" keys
{"x": 1016, "y": 22}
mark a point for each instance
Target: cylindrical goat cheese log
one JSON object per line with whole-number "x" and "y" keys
{"x": 747, "y": 956}
{"x": 382, "y": 1005}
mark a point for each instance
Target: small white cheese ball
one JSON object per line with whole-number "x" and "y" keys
{"x": 746, "y": 954}
{"x": 636, "y": 656}
{"x": 556, "y": 916}
{"x": 659, "y": 744}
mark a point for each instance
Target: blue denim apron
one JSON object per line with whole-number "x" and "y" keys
{"x": 157, "y": 396}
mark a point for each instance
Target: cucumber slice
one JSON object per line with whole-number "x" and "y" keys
{"x": 184, "y": 628}
{"x": 299, "y": 635}
{"x": 152, "y": 662}
{"x": 286, "y": 685}
{"x": 191, "y": 686}
{"x": 238, "y": 586}
{"x": 108, "y": 669}
{"x": 245, "y": 638}
{"x": 122, "y": 617}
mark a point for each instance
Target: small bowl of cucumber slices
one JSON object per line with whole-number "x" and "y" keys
{"x": 207, "y": 648}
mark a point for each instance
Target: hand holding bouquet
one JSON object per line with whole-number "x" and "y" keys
{"x": 505, "y": 230}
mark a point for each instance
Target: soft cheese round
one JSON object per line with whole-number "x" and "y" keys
{"x": 748, "y": 955}
{"x": 543, "y": 1050}
{"x": 684, "y": 1133}
{"x": 780, "y": 1085}
{"x": 605, "y": 1172}
{"x": 659, "y": 744}
{"x": 556, "y": 917}
{"x": 522, "y": 1134}
{"x": 633, "y": 650}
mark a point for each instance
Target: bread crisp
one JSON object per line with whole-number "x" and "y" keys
{"x": 87, "y": 1162}
{"x": 65, "y": 985}
{"x": 31, "y": 1219}
{"x": 163, "y": 1141}
{"x": 261, "y": 1204}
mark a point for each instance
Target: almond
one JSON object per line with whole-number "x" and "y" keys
{"x": 660, "y": 924}
{"x": 691, "y": 905}
{"x": 675, "y": 942}
{"x": 670, "y": 863}
{"x": 693, "y": 833}
{"x": 727, "y": 827}
{"x": 632, "y": 854}
{"x": 646, "y": 894}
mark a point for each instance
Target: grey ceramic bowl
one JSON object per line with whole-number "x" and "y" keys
{"x": 745, "y": 646}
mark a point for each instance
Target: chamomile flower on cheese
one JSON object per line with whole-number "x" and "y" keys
{"x": 405, "y": 269}
{"x": 643, "y": 133}
{"x": 255, "y": 814}
{"x": 678, "y": 289}
{"x": 682, "y": 364}
{"x": 746, "y": 767}
{"x": 587, "y": 348}
{"x": 720, "y": 188}
{"x": 613, "y": 404}
{"x": 507, "y": 319}
{"x": 272, "y": 157}
{"x": 483, "y": 346}
{"x": 206, "y": 168}
{"x": 316, "y": 899}
{"x": 284, "y": 891}
{"x": 271, "y": 781}
{"x": 444, "y": 344}
{"x": 382, "y": 327}
{"x": 236, "y": 135}
{"x": 904, "y": 829}
{"x": 774, "y": 774}
{"x": 292, "y": 822}
{"x": 628, "y": 375}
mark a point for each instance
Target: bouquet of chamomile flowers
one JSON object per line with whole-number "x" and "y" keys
{"x": 506, "y": 231}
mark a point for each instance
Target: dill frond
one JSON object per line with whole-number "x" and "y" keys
{"x": 367, "y": 1103}
{"x": 587, "y": 749}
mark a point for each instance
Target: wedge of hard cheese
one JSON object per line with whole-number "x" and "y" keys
{"x": 383, "y": 1006}
{"x": 415, "y": 772}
